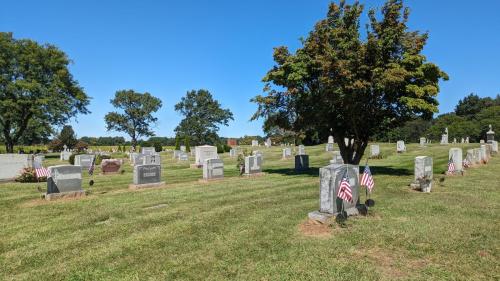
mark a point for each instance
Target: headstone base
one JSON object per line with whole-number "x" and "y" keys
{"x": 73, "y": 194}
{"x": 146, "y": 185}
{"x": 325, "y": 217}
{"x": 426, "y": 188}
{"x": 254, "y": 175}
{"x": 456, "y": 173}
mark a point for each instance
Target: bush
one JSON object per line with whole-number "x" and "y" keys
{"x": 72, "y": 158}
{"x": 99, "y": 158}
{"x": 81, "y": 146}
{"x": 29, "y": 175}
{"x": 186, "y": 143}
{"x": 220, "y": 148}
{"x": 55, "y": 145}
{"x": 227, "y": 148}
{"x": 158, "y": 147}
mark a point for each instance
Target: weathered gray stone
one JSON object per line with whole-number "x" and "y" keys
{"x": 268, "y": 143}
{"x": 330, "y": 179}
{"x": 38, "y": 161}
{"x": 490, "y": 135}
{"x": 64, "y": 179}
{"x": 255, "y": 143}
{"x": 375, "y": 150}
{"x": 301, "y": 162}
{"x": 400, "y": 146}
{"x": 253, "y": 165}
{"x": 151, "y": 159}
{"x": 302, "y": 150}
{"x": 444, "y": 137}
{"x": 65, "y": 154}
{"x": 455, "y": 154}
{"x": 484, "y": 153}
{"x": 422, "y": 142}
{"x": 477, "y": 156}
{"x": 147, "y": 174}
{"x": 11, "y": 165}
{"x": 329, "y": 147}
{"x": 423, "y": 173}
{"x": 287, "y": 152}
{"x": 337, "y": 159}
{"x": 205, "y": 152}
{"x": 84, "y": 160}
{"x": 183, "y": 156}
{"x": 494, "y": 147}
{"x": 148, "y": 150}
{"x": 213, "y": 169}
{"x": 183, "y": 148}
{"x": 330, "y": 139}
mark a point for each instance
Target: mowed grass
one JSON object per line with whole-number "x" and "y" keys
{"x": 249, "y": 228}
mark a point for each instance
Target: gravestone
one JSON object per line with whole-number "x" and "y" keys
{"x": 481, "y": 141}
{"x": 489, "y": 150}
{"x": 183, "y": 148}
{"x": 213, "y": 169}
{"x": 253, "y": 165}
{"x": 287, "y": 152}
{"x": 329, "y": 204}
{"x": 375, "y": 150}
{"x": 400, "y": 146}
{"x": 470, "y": 157}
{"x": 151, "y": 159}
{"x": 131, "y": 157}
{"x": 302, "y": 150}
{"x": 444, "y": 137}
{"x": 477, "y": 156}
{"x": 38, "y": 161}
{"x": 84, "y": 160}
{"x": 494, "y": 147}
{"x": 422, "y": 142}
{"x": 65, "y": 154}
{"x": 329, "y": 147}
{"x": 462, "y": 140}
{"x": 110, "y": 166}
{"x": 423, "y": 174}
{"x": 490, "y": 135}
{"x": 301, "y": 162}
{"x": 138, "y": 159}
{"x": 64, "y": 181}
{"x": 337, "y": 160}
{"x": 176, "y": 153}
{"x": 12, "y": 165}
{"x": 330, "y": 139}
{"x": 146, "y": 176}
{"x": 183, "y": 156}
{"x": 204, "y": 152}
{"x": 467, "y": 140}
{"x": 455, "y": 154}
{"x": 454, "y": 140}
{"x": 483, "y": 153}
{"x": 233, "y": 152}
{"x": 148, "y": 150}
{"x": 268, "y": 142}
{"x": 255, "y": 143}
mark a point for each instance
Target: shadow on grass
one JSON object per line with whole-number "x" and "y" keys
{"x": 383, "y": 170}
{"x": 312, "y": 172}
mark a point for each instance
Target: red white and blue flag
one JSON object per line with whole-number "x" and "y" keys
{"x": 451, "y": 166}
{"x": 91, "y": 168}
{"x": 345, "y": 192}
{"x": 42, "y": 172}
{"x": 367, "y": 178}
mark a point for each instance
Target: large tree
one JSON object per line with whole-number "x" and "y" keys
{"x": 202, "y": 117}
{"x": 356, "y": 87}
{"x": 137, "y": 117}
{"x": 36, "y": 89}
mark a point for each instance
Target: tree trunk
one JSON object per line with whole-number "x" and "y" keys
{"x": 9, "y": 146}
{"x": 353, "y": 151}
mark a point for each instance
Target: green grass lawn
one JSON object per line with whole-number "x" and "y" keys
{"x": 255, "y": 228}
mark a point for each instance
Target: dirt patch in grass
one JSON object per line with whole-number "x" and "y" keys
{"x": 391, "y": 264}
{"x": 312, "y": 228}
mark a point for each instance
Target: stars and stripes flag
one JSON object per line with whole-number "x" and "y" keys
{"x": 466, "y": 163}
{"x": 345, "y": 192}
{"x": 91, "y": 168}
{"x": 367, "y": 178}
{"x": 451, "y": 166}
{"x": 42, "y": 172}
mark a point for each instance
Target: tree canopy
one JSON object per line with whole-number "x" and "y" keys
{"x": 202, "y": 117}
{"x": 356, "y": 87}
{"x": 37, "y": 90}
{"x": 137, "y": 118}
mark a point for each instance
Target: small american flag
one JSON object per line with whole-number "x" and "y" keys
{"x": 345, "y": 192}
{"x": 91, "y": 168}
{"x": 42, "y": 172}
{"x": 451, "y": 166}
{"x": 367, "y": 178}
{"x": 466, "y": 163}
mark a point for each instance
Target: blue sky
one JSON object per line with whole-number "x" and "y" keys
{"x": 169, "y": 47}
